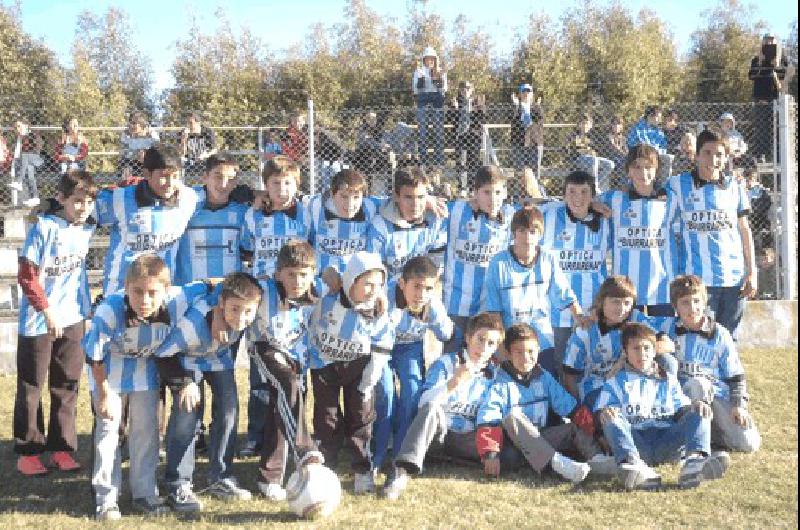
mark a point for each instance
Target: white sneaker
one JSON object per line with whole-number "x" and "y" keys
{"x": 697, "y": 469}
{"x": 15, "y": 184}
{"x": 31, "y": 203}
{"x": 364, "y": 483}
{"x": 273, "y": 492}
{"x": 571, "y": 470}
{"x": 638, "y": 475}
{"x": 395, "y": 486}
{"x": 603, "y": 465}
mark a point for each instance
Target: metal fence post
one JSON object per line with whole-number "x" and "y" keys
{"x": 788, "y": 198}
{"x": 312, "y": 166}
{"x": 260, "y": 155}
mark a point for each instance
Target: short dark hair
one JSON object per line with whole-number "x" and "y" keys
{"x": 296, "y": 253}
{"x": 519, "y": 332}
{"x": 75, "y": 181}
{"x": 580, "y": 178}
{"x": 685, "y": 285}
{"x": 420, "y": 267}
{"x": 484, "y": 321}
{"x": 240, "y": 285}
{"x": 411, "y": 177}
{"x": 638, "y": 151}
{"x": 222, "y": 158}
{"x": 709, "y": 136}
{"x": 280, "y": 166}
{"x": 637, "y": 331}
{"x": 527, "y": 218}
{"x": 652, "y": 110}
{"x": 488, "y": 175}
{"x": 161, "y": 156}
{"x": 350, "y": 179}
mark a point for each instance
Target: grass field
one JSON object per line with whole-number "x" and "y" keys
{"x": 759, "y": 491}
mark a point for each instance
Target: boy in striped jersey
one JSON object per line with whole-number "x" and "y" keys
{"x": 55, "y": 302}
{"x": 709, "y": 367}
{"x": 149, "y": 217}
{"x": 476, "y": 231}
{"x": 205, "y": 341}
{"x": 455, "y": 387}
{"x": 718, "y": 245}
{"x": 350, "y": 343}
{"x": 127, "y": 328}
{"x": 648, "y": 420}
{"x": 525, "y": 284}
{"x": 414, "y": 309}
{"x": 643, "y": 247}
{"x": 280, "y": 332}
{"x": 579, "y": 237}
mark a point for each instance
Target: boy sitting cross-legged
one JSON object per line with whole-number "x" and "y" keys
{"x": 648, "y": 420}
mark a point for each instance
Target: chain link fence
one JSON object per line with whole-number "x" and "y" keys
{"x": 536, "y": 145}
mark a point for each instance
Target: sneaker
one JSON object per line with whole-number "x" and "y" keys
{"x": 396, "y": 484}
{"x": 228, "y": 490}
{"x": 571, "y": 470}
{"x": 603, "y": 465}
{"x": 153, "y": 506}
{"x": 31, "y": 203}
{"x": 364, "y": 483}
{"x": 697, "y": 469}
{"x": 249, "y": 450}
{"x": 273, "y": 492}
{"x": 31, "y": 466}
{"x": 63, "y": 461}
{"x": 184, "y": 500}
{"x": 107, "y": 513}
{"x": 638, "y": 475}
{"x": 15, "y": 184}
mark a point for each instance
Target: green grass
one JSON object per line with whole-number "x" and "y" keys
{"x": 759, "y": 491}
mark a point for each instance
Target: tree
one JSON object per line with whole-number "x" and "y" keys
{"x": 471, "y": 59}
{"x": 790, "y": 48}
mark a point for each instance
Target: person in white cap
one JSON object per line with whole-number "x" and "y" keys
{"x": 736, "y": 144}
{"x": 429, "y": 85}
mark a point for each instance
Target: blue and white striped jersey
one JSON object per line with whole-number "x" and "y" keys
{"x": 191, "y": 339}
{"x": 594, "y": 351}
{"x": 126, "y": 345}
{"x": 282, "y": 324}
{"x": 709, "y": 215}
{"x": 210, "y": 246}
{"x": 265, "y": 233}
{"x": 646, "y": 402}
{"x": 59, "y": 250}
{"x": 581, "y": 251}
{"x": 460, "y": 406}
{"x": 527, "y": 294}
{"x": 340, "y": 333}
{"x": 643, "y": 248}
{"x": 397, "y": 243}
{"x": 709, "y": 353}
{"x": 335, "y": 238}
{"x": 533, "y": 398}
{"x": 410, "y": 329}
{"x": 472, "y": 241}
{"x": 140, "y": 225}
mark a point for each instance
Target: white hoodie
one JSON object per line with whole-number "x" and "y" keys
{"x": 423, "y": 72}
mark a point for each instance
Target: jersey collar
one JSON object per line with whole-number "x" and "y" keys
{"x": 519, "y": 377}
{"x": 145, "y": 196}
{"x": 308, "y": 298}
{"x": 330, "y": 212}
{"x": 533, "y": 264}
{"x": 133, "y": 320}
{"x": 723, "y": 182}
{"x": 658, "y": 193}
{"x": 707, "y": 330}
{"x": 487, "y": 371}
{"x": 592, "y": 221}
{"x": 290, "y": 212}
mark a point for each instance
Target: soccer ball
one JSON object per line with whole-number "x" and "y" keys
{"x": 313, "y": 491}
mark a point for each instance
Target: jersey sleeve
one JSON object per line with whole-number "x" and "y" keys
{"x": 743, "y": 203}
{"x": 181, "y": 339}
{"x": 102, "y": 328}
{"x": 33, "y": 248}
{"x": 440, "y": 323}
{"x": 434, "y": 388}
{"x": 575, "y": 353}
{"x": 376, "y": 239}
{"x": 607, "y": 398}
{"x": 730, "y": 364}
{"x": 383, "y": 335}
{"x": 494, "y": 406}
{"x": 248, "y": 229}
{"x": 104, "y": 208}
{"x": 561, "y": 401}
{"x": 676, "y": 395}
{"x": 490, "y": 297}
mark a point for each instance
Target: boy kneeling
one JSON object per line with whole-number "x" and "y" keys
{"x": 648, "y": 420}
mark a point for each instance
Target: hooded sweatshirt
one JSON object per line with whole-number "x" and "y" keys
{"x": 422, "y": 81}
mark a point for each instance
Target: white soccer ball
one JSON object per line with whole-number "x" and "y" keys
{"x": 313, "y": 491}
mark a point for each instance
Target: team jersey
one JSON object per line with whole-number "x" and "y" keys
{"x": 126, "y": 345}
{"x": 410, "y": 329}
{"x": 462, "y": 404}
{"x": 643, "y": 247}
{"x": 340, "y": 333}
{"x": 397, "y": 241}
{"x": 709, "y": 215}
{"x": 533, "y": 397}
{"x": 646, "y": 402}
{"x": 282, "y": 324}
{"x": 709, "y": 353}
{"x": 140, "y": 224}
{"x": 594, "y": 351}
{"x": 527, "y": 294}
{"x": 59, "y": 250}
{"x": 265, "y": 233}
{"x": 473, "y": 239}
{"x": 191, "y": 339}
{"x": 210, "y": 246}
{"x": 581, "y": 248}
{"x": 335, "y": 238}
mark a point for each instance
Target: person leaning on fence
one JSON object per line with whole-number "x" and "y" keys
{"x": 613, "y": 145}
{"x": 672, "y": 130}
{"x": 198, "y": 142}
{"x": 429, "y": 85}
{"x": 25, "y": 159}
{"x": 581, "y": 148}
{"x": 469, "y": 128}
{"x": 71, "y": 151}
{"x": 134, "y": 141}
{"x": 767, "y": 71}
{"x": 55, "y": 302}
{"x": 647, "y": 131}
{"x": 527, "y": 124}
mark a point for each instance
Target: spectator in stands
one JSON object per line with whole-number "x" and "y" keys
{"x": 71, "y": 151}
{"x": 373, "y": 154}
{"x": 135, "y": 140}
{"x": 469, "y": 129}
{"x": 580, "y": 148}
{"x": 6, "y": 155}
{"x": 613, "y": 144}
{"x": 527, "y": 128}
{"x": 25, "y": 159}
{"x": 198, "y": 142}
{"x": 672, "y": 131}
{"x": 429, "y": 85}
{"x": 647, "y": 131}
{"x": 271, "y": 145}
{"x": 684, "y": 160}
{"x": 402, "y": 141}
{"x": 295, "y": 141}
{"x": 736, "y": 144}
{"x": 767, "y": 71}
{"x": 760, "y": 211}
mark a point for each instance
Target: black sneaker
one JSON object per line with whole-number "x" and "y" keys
{"x": 184, "y": 500}
{"x": 249, "y": 450}
{"x": 152, "y": 506}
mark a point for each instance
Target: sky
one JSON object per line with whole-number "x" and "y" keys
{"x": 157, "y": 24}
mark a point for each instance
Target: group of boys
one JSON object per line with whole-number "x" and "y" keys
{"x": 547, "y": 360}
